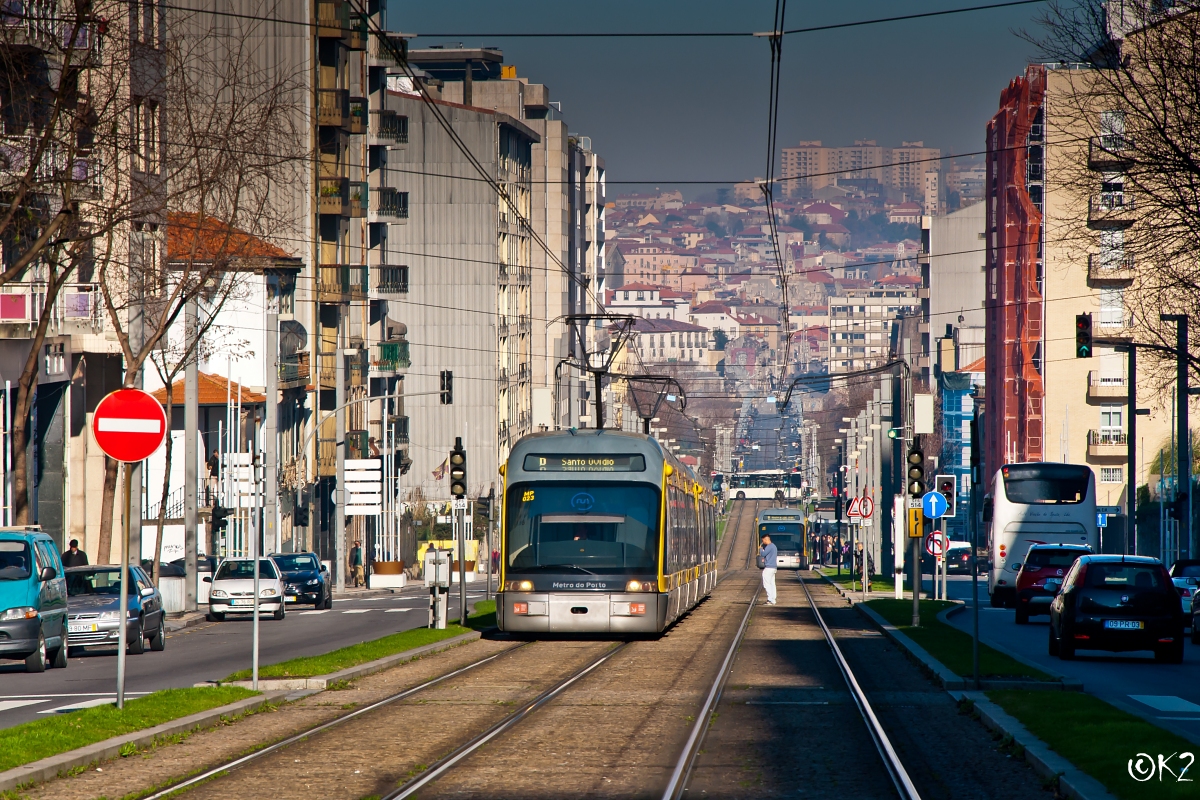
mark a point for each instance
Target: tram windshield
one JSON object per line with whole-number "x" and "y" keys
{"x": 786, "y": 536}
{"x": 599, "y": 528}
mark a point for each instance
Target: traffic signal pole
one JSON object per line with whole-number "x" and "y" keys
{"x": 1183, "y": 486}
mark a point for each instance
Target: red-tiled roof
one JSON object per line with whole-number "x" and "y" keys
{"x": 189, "y": 238}
{"x": 980, "y": 365}
{"x": 215, "y": 390}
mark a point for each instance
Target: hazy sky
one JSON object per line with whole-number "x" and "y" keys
{"x": 666, "y": 109}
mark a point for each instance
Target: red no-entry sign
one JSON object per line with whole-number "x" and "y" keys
{"x": 129, "y": 425}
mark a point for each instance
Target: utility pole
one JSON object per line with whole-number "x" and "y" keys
{"x": 976, "y": 468}
{"x": 191, "y": 424}
{"x": 1184, "y": 480}
{"x": 838, "y": 507}
{"x": 339, "y": 495}
{"x": 271, "y": 423}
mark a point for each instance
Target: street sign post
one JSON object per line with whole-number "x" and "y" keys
{"x": 129, "y": 425}
{"x": 916, "y": 523}
{"x": 935, "y": 544}
{"x": 1101, "y": 520}
{"x": 855, "y": 509}
{"x": 866, "y": 507}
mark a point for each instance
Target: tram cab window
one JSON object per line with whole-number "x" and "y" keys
{"x": 568, "y": 526}
{"x": 786, "y": 536}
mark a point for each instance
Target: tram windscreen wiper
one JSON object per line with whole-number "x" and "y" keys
{"x": 566, "y": 566}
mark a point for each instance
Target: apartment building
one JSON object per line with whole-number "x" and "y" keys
{"x": 1036, "y": 283}
{"x": 810, "y": 165}
{"x": 668, "y": 341}
{"x": 861, "y": 322}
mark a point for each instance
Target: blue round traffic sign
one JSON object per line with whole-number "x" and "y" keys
{"x": 933, "y": 505}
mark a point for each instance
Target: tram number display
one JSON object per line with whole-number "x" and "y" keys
{"x": 578, "y": 463}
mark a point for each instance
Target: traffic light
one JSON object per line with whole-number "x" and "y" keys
{"x": 916, "y": 470}
{"x": 300, "y": 517}
{"x": 947, "y": 487}
{"x": 1083, "y": 335}
{"x": 1176, "y": 509}
{"x": 894, "y": 433}
{"x": 458, "y": 470}
{"x": 219, "y": 518}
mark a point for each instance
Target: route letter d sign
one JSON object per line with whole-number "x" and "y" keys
{"x": 916, "y": 523}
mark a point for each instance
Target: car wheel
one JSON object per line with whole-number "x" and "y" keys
{"x": 216, "y": 616}
{"x": 280, "y": 612}
{"x": 329, "y": 598}
{"x": 137, "y": 643}
{"x": 36, "y": 661}
{"x": 158, "y": 642}
{"x": 1022, "y": 616}
{"x": 1170, "y": 654}
{"x": 74, "y": 652}
{"x": 1066, "y": 647}
{"x": 996, "y": 600}
{"x": 58, "y": 658}
{"x": 1053, "y": 646}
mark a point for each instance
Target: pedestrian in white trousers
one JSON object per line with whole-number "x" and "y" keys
{"x": 770, "y": 556}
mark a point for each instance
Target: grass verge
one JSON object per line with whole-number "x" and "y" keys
{"x": 1102, "y": 741}
{"x": 879, "y": 583}
{"x": 42, "y": 738}
{"x": 355, "y": 654}
{"x": 949, "y": 645}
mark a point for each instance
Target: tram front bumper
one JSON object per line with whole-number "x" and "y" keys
{"x": 534, "y": 612}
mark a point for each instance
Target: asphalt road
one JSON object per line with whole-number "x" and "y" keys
{"x": 211, "y": 651}
{"x": 1165, "y": 694}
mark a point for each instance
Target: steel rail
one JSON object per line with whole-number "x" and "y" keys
{"x": 444, "y": 765}
{"x": 732, "y": 531}
{"x": 246, "y": 759}
{"x": 683, "y": 767}
{"x": 896, "y": 771}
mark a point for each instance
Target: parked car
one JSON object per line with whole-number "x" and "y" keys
{"x": 232, "y": 590}
{"x": 1117, "y": 603}
{"x": 33, "y": 600}
{"x": 94, "y": 610}
{"x": 305, "y": 579}
{"x": 1185, "y": 574}
{"x": 1041, "y": 577}
{"x": 958, "y": 557}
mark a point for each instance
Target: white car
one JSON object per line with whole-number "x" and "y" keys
{"x": 232, "y": 590}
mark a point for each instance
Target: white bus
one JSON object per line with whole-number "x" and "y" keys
{"x": 1035, "y": 503}
{"x": 764, "y": 484}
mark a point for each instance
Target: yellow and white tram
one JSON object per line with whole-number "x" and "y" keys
{"x": 602, "y": 531}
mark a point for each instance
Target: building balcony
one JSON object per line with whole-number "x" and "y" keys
{"x": 327, "y": 370}
{"x": 1110, "y": 268}
{"x": 1111, "y": 210}
{"x": 326, "y": 458}
{"x": 334, "y": 196}
{"x": 360, "y": 193}
{"x": 390, "y": 358}
{"x": 400, "y": 429}
{"x": 389, "y": 280}
{"x": 388, "y": 205}
{"x": 358, "y": 368}
{"x": 294, "y": 370}
{"x": 1110, "y": 153}
{"x": 333, "y": 18}
{"x": 383, "y": 47}
{"x": 341, "y": 283}
{"x": 333, "y": 108}
{"x": 388, "y": 129}
{"x": 1107, "y": 444}
{"x": 1106, "y": 388}
{"x": 356, "y": 34}
{"x": 358, "y": 116}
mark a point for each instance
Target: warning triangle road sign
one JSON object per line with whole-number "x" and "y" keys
{"x": 855, "y": 509}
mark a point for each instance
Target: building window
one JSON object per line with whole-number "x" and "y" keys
{"x": 1112, "y": 130}
{"x": 626, "y": 295}
{"x": 145, "y": 136}
{"x": 1112, "y": 308}
{"x": 640, "y": 295}
{"x": 56, "y": 359}
{"x": 393, "y": 280}
{"x": 1111, "y": 423}
{"x": 1112, "y": 474}
{"x": 145, "y": 22}
{"x": 447, "y": 388}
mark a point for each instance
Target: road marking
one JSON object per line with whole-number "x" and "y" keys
{"x": 357, "y": 611}
{"x": 395, "y": 610}
{"x": 1168, "y": 703}
{"x": 322, "y": 611}
{"x": 99, "y": 701}
{"x": 65, "y": 694}
{"x": 6, "y": 705}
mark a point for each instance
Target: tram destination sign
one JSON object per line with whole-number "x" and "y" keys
{"x": 603, "y": 462}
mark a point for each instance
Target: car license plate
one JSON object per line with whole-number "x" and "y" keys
{"x": 291, "y": 598}
{"x": 82, "y": 628}
{"x": 1124, "y": 624}
{"x": 242, "y": 602}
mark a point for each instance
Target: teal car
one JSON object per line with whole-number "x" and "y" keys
{"x": 33, "y": 600}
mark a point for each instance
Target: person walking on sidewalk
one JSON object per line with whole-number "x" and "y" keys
{"x": 769, "y": 553}
{"x": 356, "y": 564}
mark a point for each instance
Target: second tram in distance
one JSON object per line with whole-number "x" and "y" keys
{"x": 786, "y": 527}
{"x": 601, "y": 531}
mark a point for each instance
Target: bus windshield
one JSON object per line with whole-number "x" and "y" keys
{"x": 599, "y": 528}
{"x": 1039, "y": 484}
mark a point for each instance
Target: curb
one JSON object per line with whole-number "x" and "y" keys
{"x": 322, "y": 682}
{"x": 185, "y": 621}
{"x": 1069, "y": 684}
{"x": 1072, "y": 781}
{"x": 50, "y": 767}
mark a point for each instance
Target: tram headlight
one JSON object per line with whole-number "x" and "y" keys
{"x": 640, "y": 586}
{"x": 518, "y": 586}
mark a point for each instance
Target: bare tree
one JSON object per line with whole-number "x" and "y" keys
{"x": 1132, "y": 119}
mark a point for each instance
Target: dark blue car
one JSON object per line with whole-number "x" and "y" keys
{"x": 305, "y": 579}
